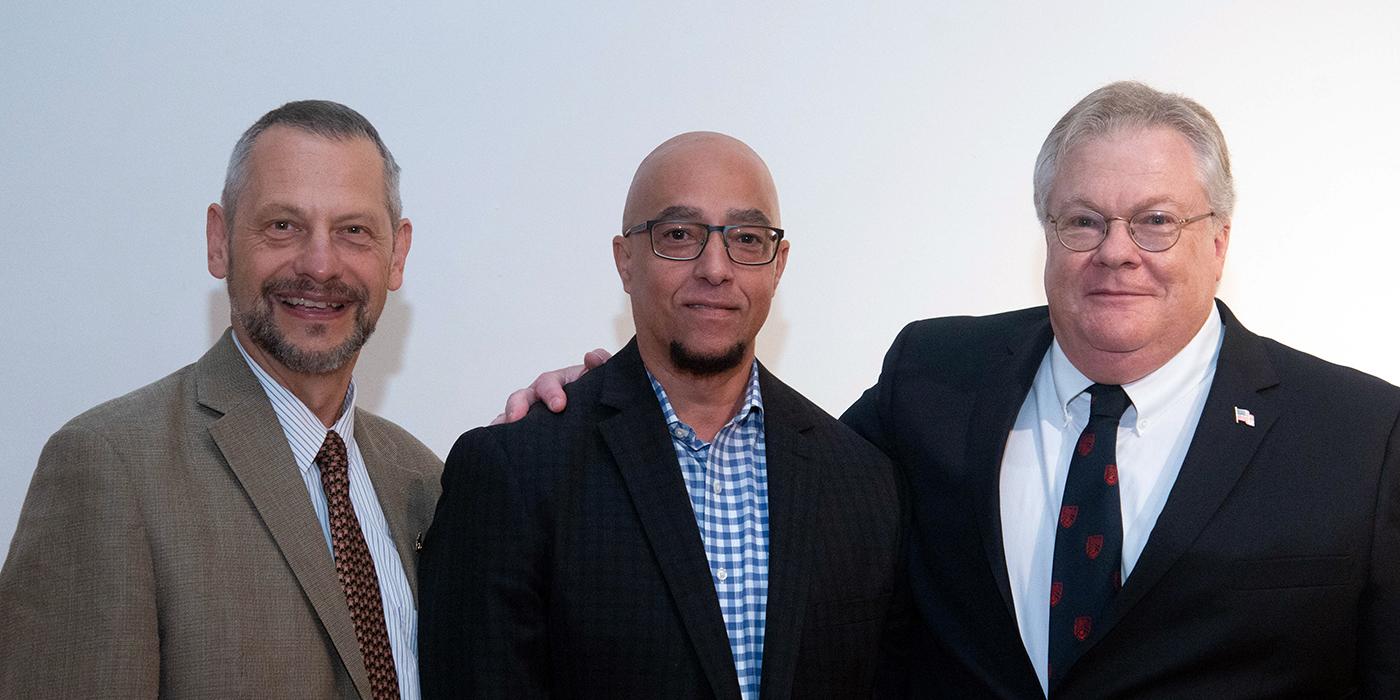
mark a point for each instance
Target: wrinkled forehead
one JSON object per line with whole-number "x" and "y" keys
{"x": 1128, "y": 167}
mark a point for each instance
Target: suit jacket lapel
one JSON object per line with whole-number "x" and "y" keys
{"x": 1220, "y": 450}
{"x": 1009, "y": 378}
{"x": 256, "y": 450}
{"x": 392, "y": 490}
{"x": 792, "y": 495}
{"x": 639, "y": 441}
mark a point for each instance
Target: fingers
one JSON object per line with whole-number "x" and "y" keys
{"x": 549, "y": 387}
{"x": 595, "y": 358}
{"x": 517, "y": 405}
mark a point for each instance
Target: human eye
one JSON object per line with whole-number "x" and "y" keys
{"x": 358, "y": 231}
{"x": 1081, "y": 221}
{"x": 676, "y": 232}
{"x": 745, "y": 237}
{"x": 1154, "y": 219}
{"x": 281, "y": 228}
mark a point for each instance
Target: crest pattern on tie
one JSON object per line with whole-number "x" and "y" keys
{"x": 355, "y": 568}
{"x": 1088, "y": 534}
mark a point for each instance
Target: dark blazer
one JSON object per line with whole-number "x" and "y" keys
{"x": 1273, "y": 570}
{"x": 167, "y": 547}
{"x": 564, "y": 558}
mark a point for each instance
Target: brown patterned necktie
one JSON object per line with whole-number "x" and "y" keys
{"x": 355, "y": 568}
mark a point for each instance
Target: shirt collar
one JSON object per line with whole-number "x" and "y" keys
{"x": 1154, "y": 392}
{"x": 305, "y": 432}
{"x": 753, "y": 401}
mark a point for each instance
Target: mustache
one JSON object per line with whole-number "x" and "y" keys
{"x": 302, "y": 285}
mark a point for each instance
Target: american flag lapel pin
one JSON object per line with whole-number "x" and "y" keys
{"x": 1244, "y": 416}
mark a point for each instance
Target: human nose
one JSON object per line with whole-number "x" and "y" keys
{"x": 318, "y": 258}
{"x": 1117, "y": 249}
{"x": 714, "y": 265}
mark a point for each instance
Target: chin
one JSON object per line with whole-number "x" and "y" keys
{"x": 708, "y": 361}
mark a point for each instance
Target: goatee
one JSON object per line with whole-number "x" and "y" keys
{"x": 260, "y": 325}
{"x": 706, "y": 365}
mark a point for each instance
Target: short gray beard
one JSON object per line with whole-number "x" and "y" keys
{"x": 706, "y": 365}
{"x": 262, "y": 329}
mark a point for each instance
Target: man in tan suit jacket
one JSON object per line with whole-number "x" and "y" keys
{"x": 170, "y": 544}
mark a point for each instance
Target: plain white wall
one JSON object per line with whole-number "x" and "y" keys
{"x": 901, "y": 136}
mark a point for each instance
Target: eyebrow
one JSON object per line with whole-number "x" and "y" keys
{"x": 276, "y": 210}
{"x": 677, "y": 212}
{"x": 279, "y": 210}
{"x": 1148, "y": 204}
{"x": 681, "y": 212}
{"x": 749, "y": 216}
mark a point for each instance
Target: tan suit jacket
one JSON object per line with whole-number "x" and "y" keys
{"x": 168, "y": 547}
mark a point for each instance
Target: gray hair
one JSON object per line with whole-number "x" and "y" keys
{"x": 323, "y": 118}
{"x": 1129, "y": 104}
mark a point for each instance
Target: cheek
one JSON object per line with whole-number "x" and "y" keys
{"x": 1060, "y": 277}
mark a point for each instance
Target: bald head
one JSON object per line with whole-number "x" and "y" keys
{"x": 699, "y": 316}
{"x": 701, "y": 161}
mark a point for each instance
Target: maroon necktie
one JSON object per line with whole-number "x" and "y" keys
{"x": 355, "y": 568}
{"x": 1089, "y": 534}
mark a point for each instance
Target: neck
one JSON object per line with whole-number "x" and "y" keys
{"x": 1115, "y": 367}
{"x": 1110, "y": 367}
{"x": 324, "y": 394}
{"x": 705, "y": 403}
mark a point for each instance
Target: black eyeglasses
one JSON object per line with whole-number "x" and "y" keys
{"x": 1083, "y": 230}
{"x": 746, "y": 244}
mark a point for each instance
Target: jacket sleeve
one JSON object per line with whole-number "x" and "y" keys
{"x": 483, "y": 579}
{"x": 870, "y": 414}
{"x": 1380, "y": 614}
{"x": 77, "y": 593}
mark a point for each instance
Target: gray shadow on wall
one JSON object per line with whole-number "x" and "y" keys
{"x": 381, "y": 359}
{"x": 218, "y": 312}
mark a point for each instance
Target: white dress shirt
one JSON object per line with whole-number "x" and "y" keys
{"x": 1153, "y": 437}
{"x": 305, "y": 434}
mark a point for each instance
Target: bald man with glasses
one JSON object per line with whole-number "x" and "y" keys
{"x": 691, "y": 527}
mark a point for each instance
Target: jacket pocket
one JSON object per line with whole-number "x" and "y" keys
{"x": 850, "y": 611}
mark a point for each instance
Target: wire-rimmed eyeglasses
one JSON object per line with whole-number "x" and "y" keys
{"x": 1154, "y": 231}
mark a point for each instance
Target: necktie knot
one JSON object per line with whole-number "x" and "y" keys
{"x": 332, "y": 457}
{"x": 1107, "y": 401}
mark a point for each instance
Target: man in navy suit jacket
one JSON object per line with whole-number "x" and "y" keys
{"x": 1253, "y": 491}
{"x": 1258, "y": 487}
{"x": 691, "y": 527}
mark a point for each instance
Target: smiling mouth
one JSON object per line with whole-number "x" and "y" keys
{"x": 301, "y": 302}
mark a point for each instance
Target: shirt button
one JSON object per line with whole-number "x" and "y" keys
{"x": 719, "y": 488}
{"x": 678, "y": 433}
{"x": 722, "y": 574}
{"x": 1142, "y": 424}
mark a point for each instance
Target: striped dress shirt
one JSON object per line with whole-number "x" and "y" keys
{"x": 305, "y": 434}
{"x": 727, "y": 480}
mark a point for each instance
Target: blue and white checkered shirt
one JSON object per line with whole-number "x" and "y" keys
{"x": 305, "y": 434}
{"x": 728, "y": 484}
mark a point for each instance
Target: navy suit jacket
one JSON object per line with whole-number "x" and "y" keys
{"x": 565, "y": 559}
{"x": 1272, "y": 571}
